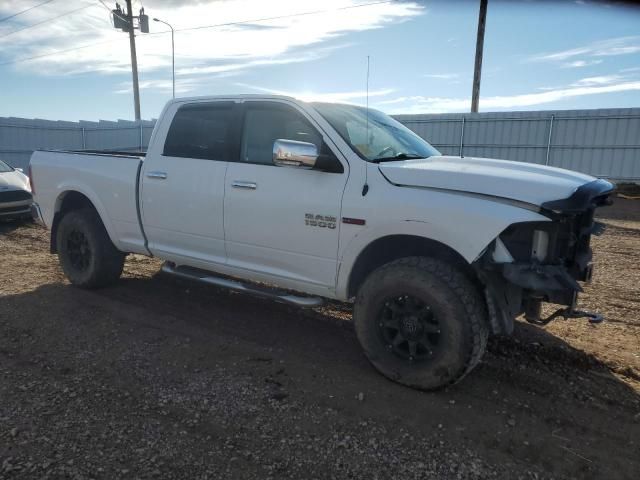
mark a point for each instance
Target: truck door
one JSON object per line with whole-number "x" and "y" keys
{"x": 183, "y": 183}
{"x": 281, "y": 222}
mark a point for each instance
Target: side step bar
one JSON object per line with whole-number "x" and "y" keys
{"x": 210, "y": 278}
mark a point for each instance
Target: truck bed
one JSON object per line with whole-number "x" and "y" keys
{"x": 108, "y": 179}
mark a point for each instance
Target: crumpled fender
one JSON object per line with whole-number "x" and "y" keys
{"x": 467, "y": 231}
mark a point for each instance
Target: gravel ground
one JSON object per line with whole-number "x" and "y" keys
{"x": 160, "y": 378}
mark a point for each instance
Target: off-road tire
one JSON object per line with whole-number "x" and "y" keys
{"x": 103, "y": 263}
{"x": 452, "y": 299}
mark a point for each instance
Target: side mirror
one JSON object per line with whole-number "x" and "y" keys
{"x": 291, "y": 153}
{"x": 19, "y": 169}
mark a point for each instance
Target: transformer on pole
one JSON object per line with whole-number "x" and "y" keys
{"x": 127, "y": 22}
{"x": 121, "y": 22}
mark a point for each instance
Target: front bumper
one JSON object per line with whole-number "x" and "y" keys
{"x": 15, "y": 209}
{"x": 36, "y": 214}
{"x": 15, "y": 203}
{"x": 528, "y": 279}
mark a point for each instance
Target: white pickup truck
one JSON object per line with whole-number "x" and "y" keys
{"x": 333, "y": 201}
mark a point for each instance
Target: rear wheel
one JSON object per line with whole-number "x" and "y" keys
{"x": 421, "y": 322}
{"x": 87, "y": 256}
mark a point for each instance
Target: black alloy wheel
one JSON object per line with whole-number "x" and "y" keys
{"x": 409, "y": 328}
{"x": 79, "y": 250}
{"x": 422, "y": 322}
{"x": 88, "y": 257}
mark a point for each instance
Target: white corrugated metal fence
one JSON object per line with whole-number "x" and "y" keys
{"x": 19, "y": 137}
{"x": 603, "y": 142}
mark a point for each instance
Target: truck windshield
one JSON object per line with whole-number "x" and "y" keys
{"x": 4, "y": 167}
{"x": 374, "y": 136}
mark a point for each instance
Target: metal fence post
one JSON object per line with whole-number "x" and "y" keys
{"x": 549, "y": 139}
{"x": 84, "y": 139}
{"x": 462, "y": 139}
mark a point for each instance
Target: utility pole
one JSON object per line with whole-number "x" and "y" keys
{"x": 125, "y": 21}
{"x": 134, "y": 61}
{"x": 477, "y": 71}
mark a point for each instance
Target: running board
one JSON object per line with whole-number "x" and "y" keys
{"x": 210, "y": 278}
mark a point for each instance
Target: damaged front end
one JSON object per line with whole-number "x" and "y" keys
{"x": 534, "y": 262}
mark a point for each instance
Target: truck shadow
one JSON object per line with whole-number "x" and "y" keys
{"x": 268, "y": 324}
{"x": 532, "y": 397}
{"x": 9, "y": 225}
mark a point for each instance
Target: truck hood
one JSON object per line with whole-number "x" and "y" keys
{"x": 14, "y": 181}
{"x": 523, "y": 182}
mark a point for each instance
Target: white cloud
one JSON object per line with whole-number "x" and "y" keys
{"x": 183, "y": 87}
{"x": 421, "y": 104}
{"x": 308, "y": 96}
{"x": 442, "y": 76}
{"x": 230, "y": 65}
{"x": 581, "y": 63}
{"x": 215, "y": 52}
{"x": 599, "y": 80}
{"x": 603, "y": 48}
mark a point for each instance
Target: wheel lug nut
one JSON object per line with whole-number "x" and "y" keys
{"x": 390, "y": 347}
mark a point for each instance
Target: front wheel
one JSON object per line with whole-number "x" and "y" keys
{"x": 421, "y": 322}
{"x": 87, "y": 255}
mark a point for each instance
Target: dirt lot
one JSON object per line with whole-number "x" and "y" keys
{"x": 159, "y": 378}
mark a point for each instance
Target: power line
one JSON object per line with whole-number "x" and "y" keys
{"x": 58, "y": 52}
{"x": 113, "y": 11}
{"x": 25, "y": 11}
{"x": 279, "y": 17}
{"x": 45, "y": 21}
{"x": 20, "y": 60}
{"x": 105, "y": 5}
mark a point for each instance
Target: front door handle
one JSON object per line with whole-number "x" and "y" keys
{"x": 158, "y": 175}
{"x": 243, "y": 184}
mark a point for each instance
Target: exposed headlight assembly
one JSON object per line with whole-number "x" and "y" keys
{"x": 539, "y": 245}
{"x": 528, "y": 241}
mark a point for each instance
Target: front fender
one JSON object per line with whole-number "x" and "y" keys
{"x": 467, "y": 231}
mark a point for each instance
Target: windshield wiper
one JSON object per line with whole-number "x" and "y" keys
{"x": 399, "y": 156}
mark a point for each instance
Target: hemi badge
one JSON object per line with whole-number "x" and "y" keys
{"x": 353, "y": 221}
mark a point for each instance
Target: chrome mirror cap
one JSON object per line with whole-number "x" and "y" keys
{"x": 291, "y": 153}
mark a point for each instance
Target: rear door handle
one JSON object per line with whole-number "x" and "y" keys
{"x": 158, "y": 175}
{"x": 243, "y": 184}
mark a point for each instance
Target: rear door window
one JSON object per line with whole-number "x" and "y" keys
{"x": 202, "y": 131}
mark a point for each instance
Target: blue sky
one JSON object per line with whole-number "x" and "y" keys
{"x": 538, "y": 55}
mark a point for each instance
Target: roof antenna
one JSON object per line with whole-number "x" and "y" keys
{"x": 365, "y": 187}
